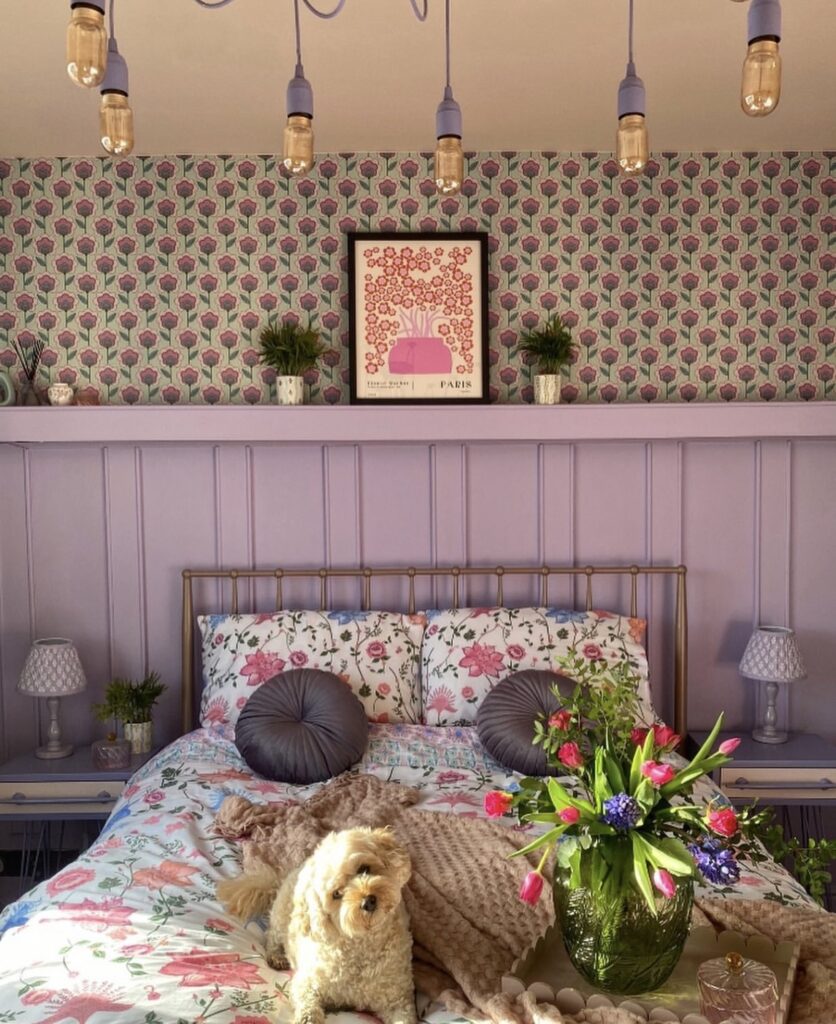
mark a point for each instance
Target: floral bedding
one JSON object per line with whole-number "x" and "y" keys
{"x": 132, "y": 932}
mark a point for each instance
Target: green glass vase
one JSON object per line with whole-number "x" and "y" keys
{"x": 610, "y": 934}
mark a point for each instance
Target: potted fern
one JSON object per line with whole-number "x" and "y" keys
{"x": 290, "y": 350}
{"x": 130, "y": 702}
{"x": 551, "y": 348}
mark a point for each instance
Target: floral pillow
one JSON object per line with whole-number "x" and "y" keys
{"x": 376, "y": 653}
{"x": 466, "y": 652}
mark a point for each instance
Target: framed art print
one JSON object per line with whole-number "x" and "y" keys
{"x": 418, "y": 317}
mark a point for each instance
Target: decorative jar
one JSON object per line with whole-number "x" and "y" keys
{"x": 111, "y": 754}
{"x": 610, "y": 934}
{"x": 734, "y": 988}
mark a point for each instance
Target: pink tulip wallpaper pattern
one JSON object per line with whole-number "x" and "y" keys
{"x": 710, "y": 278}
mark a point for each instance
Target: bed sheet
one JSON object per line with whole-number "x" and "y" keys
{"x": 132, "y": 931}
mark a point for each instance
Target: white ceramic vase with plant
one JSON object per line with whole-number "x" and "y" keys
{"x": 551, "y": 348}
{"x": 291, "y": 350}
{"x": 131, "y": 702}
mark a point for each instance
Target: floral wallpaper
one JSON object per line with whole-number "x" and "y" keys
{"x": 710, "y": 278}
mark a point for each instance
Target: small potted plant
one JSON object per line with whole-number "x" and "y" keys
{"x": 130, "y": 702}
{"x": 551, "y": 348}
{"x": 291, "y": 350}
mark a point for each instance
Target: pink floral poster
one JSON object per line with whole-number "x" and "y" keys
{"x": 418, "y": 317}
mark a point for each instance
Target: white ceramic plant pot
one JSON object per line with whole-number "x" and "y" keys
{"x": 290, "y": 390}
{"x": 138, "y": 735}
{"x": 546, "y": 389}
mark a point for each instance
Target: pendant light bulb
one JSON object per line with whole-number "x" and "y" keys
{"x": 632, "y": 149}
{"x": 116, "y": 119}
{"x": 87, "y": 43}
{"x": 760, "y": 89}
{"x": 449, "y": 156}
{"x": 298, "y": 150}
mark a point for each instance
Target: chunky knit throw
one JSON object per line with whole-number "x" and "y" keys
{"x": 468, "y": 924}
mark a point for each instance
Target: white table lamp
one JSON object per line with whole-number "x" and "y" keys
{"x": 772, "y": 657}
{"x": 52, "y": 670}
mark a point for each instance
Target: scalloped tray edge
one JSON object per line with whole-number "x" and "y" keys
{"x": 702, "y": 942}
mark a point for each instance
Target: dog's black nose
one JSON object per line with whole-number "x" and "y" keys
{"x": 369, "y": 904}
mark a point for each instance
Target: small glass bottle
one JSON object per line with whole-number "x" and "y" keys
{"x": 737, "y": 989}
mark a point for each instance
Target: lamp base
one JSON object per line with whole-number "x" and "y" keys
{"x": 50, "y": 752}
{"x": 762, "y": 736}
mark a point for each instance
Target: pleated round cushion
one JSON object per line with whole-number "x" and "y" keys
{"x": 505, "y": 721}
{"x": 302, "y": 726}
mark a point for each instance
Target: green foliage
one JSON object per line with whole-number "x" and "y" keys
{"x": 289, "y": 348}
{"x": 550, "y": 347}
{"x": 129, "y": 700}
{"x": 811, "y": 863}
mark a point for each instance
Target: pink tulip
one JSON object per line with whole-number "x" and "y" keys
{"x": 665, "y": 736}
{"x": 570, "y": 755}
{"x": 639, "y": 735}
{"x": 569, "y": 815}
{"x": 532, "y": 886}
{"x": 659, "y": 774}
{"x": 723, "y": 822}
{"x": 729, "y": 746}
{"x": 664, "y": 883}
{"x": 497, "y": 803}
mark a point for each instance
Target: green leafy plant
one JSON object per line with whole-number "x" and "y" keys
{"x": 289, "y": 348}
{"x": 550, "y": 347}
{"x": 129, "y": 700}
{"x": 811, "y": 863}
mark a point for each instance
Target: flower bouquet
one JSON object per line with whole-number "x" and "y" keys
{"x": 629, "y": 839}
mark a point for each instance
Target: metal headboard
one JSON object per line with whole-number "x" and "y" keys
{"x": 453, "y": 574}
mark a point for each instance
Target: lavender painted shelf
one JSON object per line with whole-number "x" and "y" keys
{"x": 350, "y": 424}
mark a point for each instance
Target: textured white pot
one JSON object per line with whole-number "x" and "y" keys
{"x": 546, "y": 388}
{"x": 138, "y": 734}
{"x": 290, "y": 390}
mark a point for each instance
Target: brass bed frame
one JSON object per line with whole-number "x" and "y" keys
{"x": 454, "y": 575}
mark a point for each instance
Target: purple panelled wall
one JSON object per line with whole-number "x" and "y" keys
{"x": 93, "y": 538}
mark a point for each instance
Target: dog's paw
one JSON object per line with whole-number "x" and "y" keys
{"x": 278, "y": 961}
{"x": 316, "y": 1016}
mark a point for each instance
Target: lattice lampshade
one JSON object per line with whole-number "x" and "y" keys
{"x": 52, "y": 669}
{"x": 772, "y": 655}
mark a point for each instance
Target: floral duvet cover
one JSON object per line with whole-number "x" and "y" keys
{"x": 132, "y": 931}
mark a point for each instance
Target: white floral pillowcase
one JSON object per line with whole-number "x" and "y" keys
{"x": 467, "y": 651}
{"x": 376, "y": 653}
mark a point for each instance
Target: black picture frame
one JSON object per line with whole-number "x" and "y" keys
{"x": 447, "y": 386}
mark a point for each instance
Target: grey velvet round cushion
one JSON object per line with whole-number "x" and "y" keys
{"x": 302, "y": 726}
{"x": 505, "y": 720}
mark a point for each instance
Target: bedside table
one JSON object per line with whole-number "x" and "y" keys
{"x": 798, "y": 773}
{"x": 40, "y": 792}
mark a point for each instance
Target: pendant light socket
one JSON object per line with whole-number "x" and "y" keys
{"x": 299, "y": 95}
{"x": 116, "y": 76}
{"x": 448, "y": 117}
{"x": 764, "y": 20}
{"x": 631, "y": 94}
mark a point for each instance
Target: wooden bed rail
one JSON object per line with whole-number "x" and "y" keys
{"x": 454, "y": 574}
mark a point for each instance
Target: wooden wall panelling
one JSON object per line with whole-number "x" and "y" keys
{"x": 719, "y": 546}
{"x": 18, "y": 719}
{"x": 812, "y": 584}
{"x": 178, "y": 527}
{"x": 503, "y": 516}
{"x": 68, "y": 566}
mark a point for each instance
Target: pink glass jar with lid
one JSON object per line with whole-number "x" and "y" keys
{"x": 736, "y": 990}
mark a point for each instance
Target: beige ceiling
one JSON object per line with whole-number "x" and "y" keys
{"x": 529, "y": 74}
